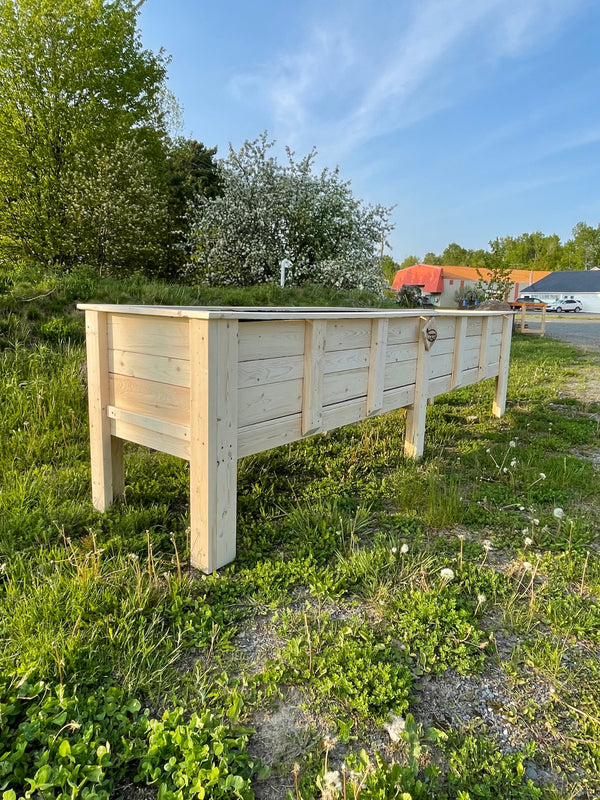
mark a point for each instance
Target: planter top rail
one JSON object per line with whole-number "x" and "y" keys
{"x": 214, "y": 384}
{"x": 281, "y": 312}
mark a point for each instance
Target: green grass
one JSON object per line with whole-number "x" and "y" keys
{"x": 365, "y": 586}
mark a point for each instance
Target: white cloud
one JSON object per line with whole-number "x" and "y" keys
{"x": 343, "y": 85}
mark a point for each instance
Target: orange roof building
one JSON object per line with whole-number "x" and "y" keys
{"x": 442, "y": 282}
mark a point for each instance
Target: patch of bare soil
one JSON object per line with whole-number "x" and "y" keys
{"x": 282, "y": 737}
{"x": 587, "y": 387}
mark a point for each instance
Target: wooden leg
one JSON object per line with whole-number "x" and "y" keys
{"x": 106, "y": 451}
{"x": 499, "y": 405}
{"x": 416, "y": 413}
{"x": 213, "y": 434}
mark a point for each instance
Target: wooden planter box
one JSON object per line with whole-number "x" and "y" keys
{"x": 212, "y": 385}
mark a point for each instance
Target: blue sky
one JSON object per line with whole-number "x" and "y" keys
{"x": 475, "y": 118}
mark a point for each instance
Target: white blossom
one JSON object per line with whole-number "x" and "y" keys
{"x": 558, "y": 513}
{"x": 268, "y": 212}
{"x": 447, "y": 574}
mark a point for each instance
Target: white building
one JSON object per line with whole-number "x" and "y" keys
{"x": 583, "y": 285}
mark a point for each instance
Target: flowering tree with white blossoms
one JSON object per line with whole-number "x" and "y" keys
{"x": 269, "y": 212}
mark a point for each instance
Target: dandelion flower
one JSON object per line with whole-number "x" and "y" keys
{"x": 394, "y": 550}
{"x": 481, "y": 598}
{"x": 395, "y": 727}
{"x": 558, "y": 513}
{"x": 505, "y": 470}
{"x": 525, "y": 531}
{"x": 513, "y": 463}
{"x": 404, "y": 549}
{"x": 527, "y": 566}
{"x": 543, "y": 476}
{"x": 486, "y": 544}
{"x": 527, "y": 541}
{"x": 512, "y": 443}
{"x": 332, "y": 785}
{"x": 447, "y": 574}
{"x": 535, "y": 521}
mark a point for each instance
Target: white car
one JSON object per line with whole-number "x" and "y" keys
{"x": 565, "y": 304}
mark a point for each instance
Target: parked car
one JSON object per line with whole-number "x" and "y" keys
{"x": 565, "y": 304}
{"x": 527, "y": 299}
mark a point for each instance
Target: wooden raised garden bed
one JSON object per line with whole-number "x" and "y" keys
{"x": 212, "y": 385}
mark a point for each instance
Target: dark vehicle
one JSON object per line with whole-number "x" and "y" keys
{"x": 527, "y": 299}
{"x": 565, "y": 304}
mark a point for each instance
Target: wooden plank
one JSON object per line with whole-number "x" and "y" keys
{"x": 376, "y": 380}
{"x": 150, "y": 438}
{"x": 483, "y": 347}
{"x": 174, "y": 371}
{"x": 345, "y": 360}
{"x": 398, "y": 398}
{"x": 493, "y": 355}
{"x": 416, "y": 412}
{"x": 265, "y": 371}
{"x": 313, "y": 372}
{"x": 270, "y": 339}
{"x": 153, "y": 399}
{"x": 403, "y": 330}
{"x": 398, "y": 353}
{"x": 150, "y": 423}
{"x": 474, "y": 325}
{"x": 265, "y": 435}
{"x": 339, "y": 387}
{"x": 348, "y": 334}
{"x": 165, "y": 336}
{"x": 262, "y": 403}
{"x": 459, "y": 350}
{"x": 213, "y": 445}
{"x": 444, "y": 327}
{"x": 495, "y": 325}
{"x": 439, "y": 363}
{"x": 499, "y": 404}
{"x": 106, "y": 452}
{"x": 400, "y": 373}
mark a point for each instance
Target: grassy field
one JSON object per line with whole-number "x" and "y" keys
{"x": 388, "y": 629}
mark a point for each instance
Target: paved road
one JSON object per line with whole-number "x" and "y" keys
{"x": 580, "y": 329}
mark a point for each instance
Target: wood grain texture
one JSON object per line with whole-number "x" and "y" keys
{"x": 163, "y": 369}
{"x": 106, "y": 452}
{"x": 213, "y": 442}
{"x": 167, "y": 337}
{"x": 502, "y": 366}
{"x": 376, "y": 379}
{"x": 313, "y": 376}
{"x": 417, "y": 410}
{"x": 151, "y": 398}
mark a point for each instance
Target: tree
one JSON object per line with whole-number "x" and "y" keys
{"x": 120, "y": 211}
{"x": 191, "y": 171}
{"x": 455, "y": 255}
{"x": 496, "y": 283}
{"x": 74, "y": 79}
{"x": 389, "y": 268}
{"x": 583, "y": 250}
{"x": 409, "y": 261}
{"x": 269, "y": 212}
